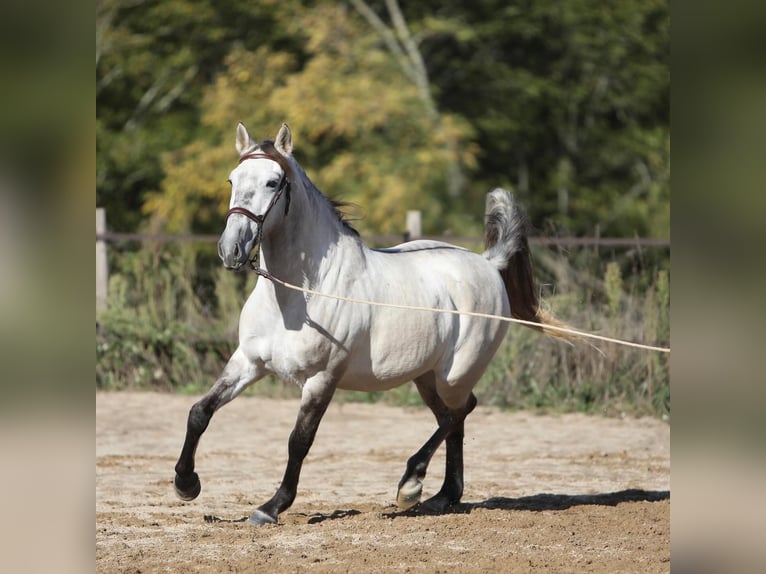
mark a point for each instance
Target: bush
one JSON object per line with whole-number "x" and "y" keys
{"x": 157, "y": 331}
{"x": 534, "y": 371}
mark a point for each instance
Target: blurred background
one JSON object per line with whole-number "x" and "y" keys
{"x": 394, "y": 106}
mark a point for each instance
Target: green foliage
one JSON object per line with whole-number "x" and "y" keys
{"x": 153, "y": 61}
{"x": 613, "y": 287}
{"x": 361, "y": 130}
{"x": 569, "y": 102}
{"x": 565, "y": 102}
{"x": 156, "y": 331}
{"x": 533, "y": 371}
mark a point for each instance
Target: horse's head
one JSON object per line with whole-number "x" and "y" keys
{"x": 258, "y": 184}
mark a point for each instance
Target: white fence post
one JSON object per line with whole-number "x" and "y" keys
{"x": 102, "y": 270}
{"x": 414, "y": 228}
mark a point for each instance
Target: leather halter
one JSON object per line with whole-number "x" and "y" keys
{"x": 284, "y": 185}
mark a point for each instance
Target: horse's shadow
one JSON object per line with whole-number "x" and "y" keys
{"x": 536, "y": 502}
{"x": 541, "y": 502}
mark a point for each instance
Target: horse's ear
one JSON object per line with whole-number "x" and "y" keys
{"x": 244, "y": 141}
{"x": 284, "y": 141}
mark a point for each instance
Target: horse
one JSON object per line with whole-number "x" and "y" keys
{"x": 323, "y": 344}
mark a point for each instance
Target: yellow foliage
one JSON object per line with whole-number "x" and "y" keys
{"x": 361, "y": 130}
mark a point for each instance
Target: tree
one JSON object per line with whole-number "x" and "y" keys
{"x": 421, "y": 105}
{"x": 153, "y": 61}
{"x": 362, "y": 130}
{"x": 569, "y": 102}
{"x": 400, "y": 43}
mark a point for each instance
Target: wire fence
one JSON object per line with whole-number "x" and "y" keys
{"x": 413, "y": 231}
{"x": 116, "y": 237}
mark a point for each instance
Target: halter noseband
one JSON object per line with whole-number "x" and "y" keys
{"x": 284, "y": 185}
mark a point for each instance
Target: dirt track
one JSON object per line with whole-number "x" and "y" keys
{"x": 563, "y": 493}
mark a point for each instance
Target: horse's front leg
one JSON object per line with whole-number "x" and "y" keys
{"x": 238, "y": 374}
{"x": 316, "y": 396}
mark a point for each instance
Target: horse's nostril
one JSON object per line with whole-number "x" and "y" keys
{"x": 220, "y": 250}
{"x": 236, "y": 250}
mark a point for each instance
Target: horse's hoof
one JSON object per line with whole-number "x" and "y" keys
{"x": 187, "y": 488}
{"x": 409, "y": 493}
{"x": 259, "y": 518}
{"x": 439, "y": 504}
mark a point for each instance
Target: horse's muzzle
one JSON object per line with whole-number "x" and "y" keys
{"x": 233, "y": 254}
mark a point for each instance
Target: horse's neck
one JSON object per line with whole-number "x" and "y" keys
{"x": 309, "y": 239}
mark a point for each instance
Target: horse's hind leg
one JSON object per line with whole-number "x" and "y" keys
{"x": 452, "y": 489}
{"x": 450, "y": 423}
{"x": 237, "y": 375}
{"x": 316, "y": 396}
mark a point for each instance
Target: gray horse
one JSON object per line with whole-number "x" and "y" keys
{"x": 323, "y": 344}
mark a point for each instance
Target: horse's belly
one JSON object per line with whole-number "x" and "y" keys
{"x": 382, "y": 375}
{"x": 370, "y": 384}
{"x": 390, "y": 361}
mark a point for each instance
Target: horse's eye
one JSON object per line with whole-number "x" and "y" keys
{"x": 272, "y": 183}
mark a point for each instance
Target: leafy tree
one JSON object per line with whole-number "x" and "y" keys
{"x": 569, "y": 102}
{"x": 421, "y": 105}
{"x": 154, "y": 59}
{"x": 362, "y": 131}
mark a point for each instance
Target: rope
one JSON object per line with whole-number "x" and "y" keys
{"x": 273, "y": 279}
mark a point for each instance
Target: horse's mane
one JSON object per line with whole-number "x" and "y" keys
{"x": 267, "y": 147}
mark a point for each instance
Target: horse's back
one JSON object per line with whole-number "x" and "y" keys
{"x": 427, "y": 269}
{"x": 419, "y": 245}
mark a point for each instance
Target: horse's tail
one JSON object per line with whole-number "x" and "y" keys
{"x": 507, "y": 248}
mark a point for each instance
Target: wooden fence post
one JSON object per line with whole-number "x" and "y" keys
{"x": 414, "y": 228}
{"x": 102, "y": 270}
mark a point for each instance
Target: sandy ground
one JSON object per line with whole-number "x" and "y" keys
{"x": 568, "y": 493}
